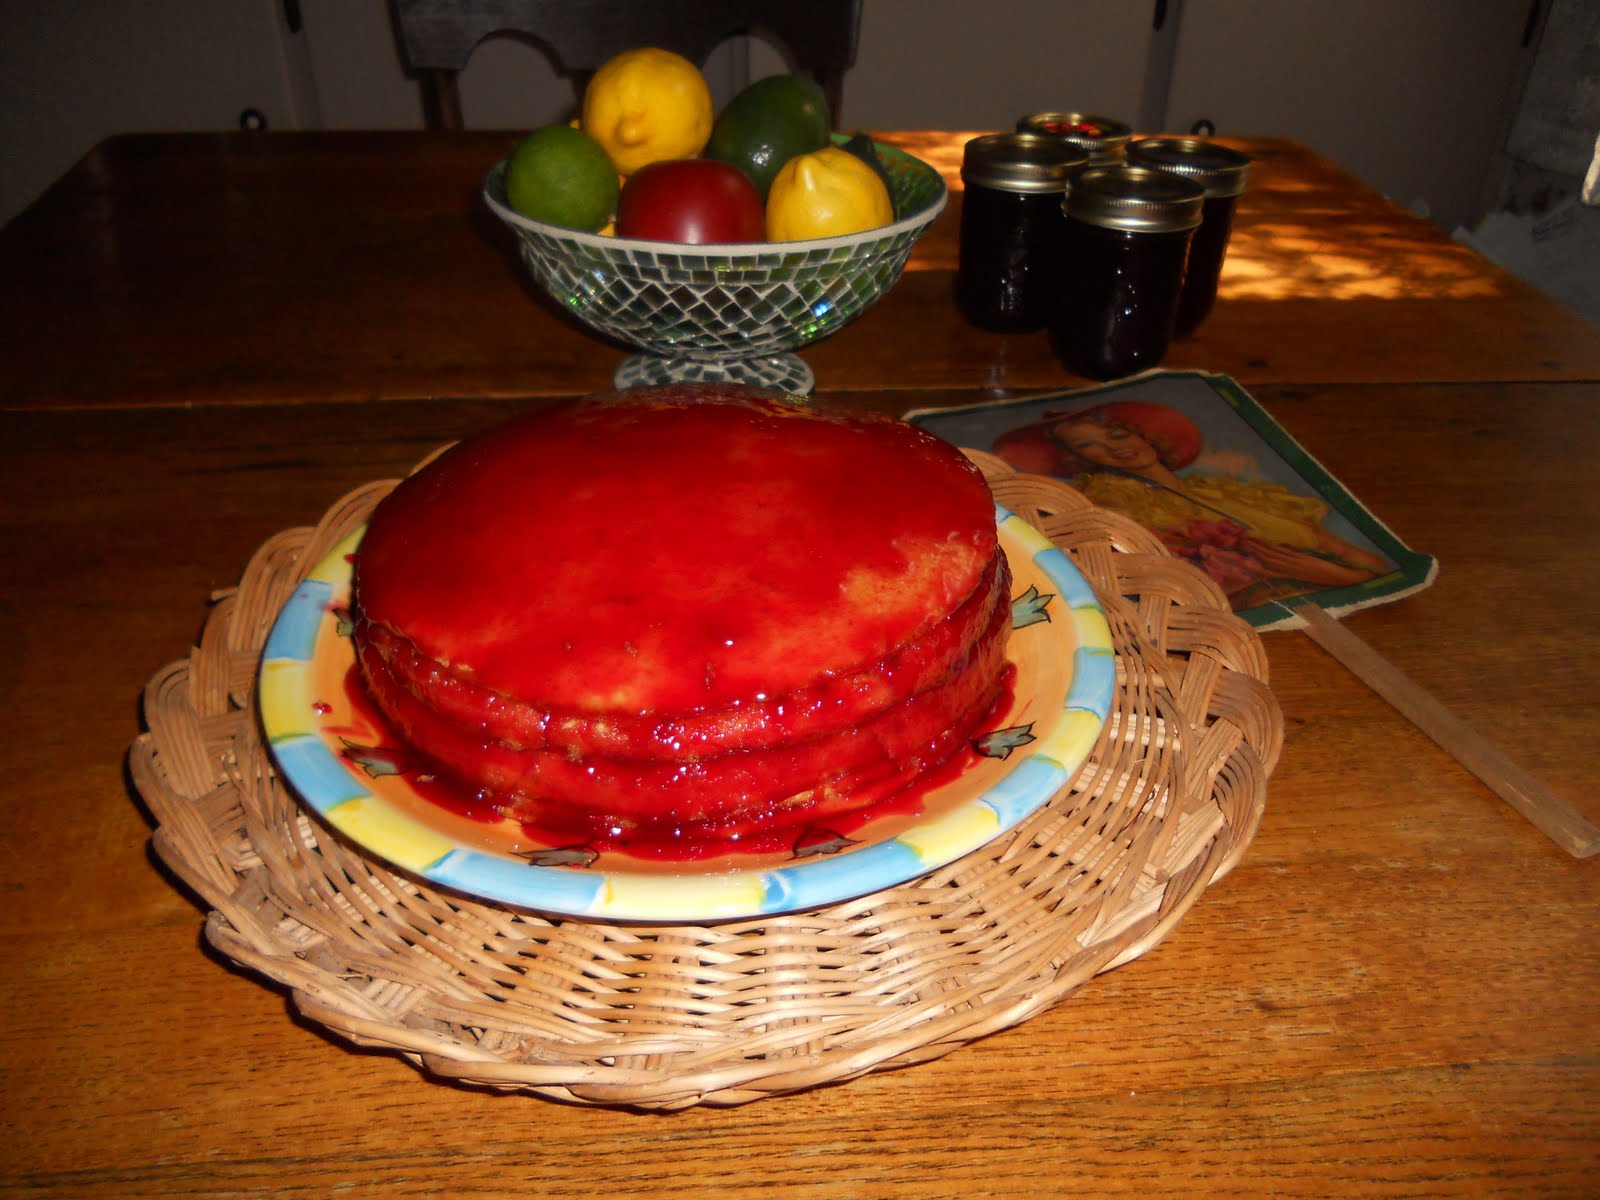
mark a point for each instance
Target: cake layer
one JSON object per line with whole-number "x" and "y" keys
{"x": 671, "y": 616}
{"x": 676, "y": 550}
{"x": 619, "y": 795}
{"x": 828, "y": 705}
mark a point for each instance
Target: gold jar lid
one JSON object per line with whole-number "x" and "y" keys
{"x": 1020, "y": 162}
{"x": 1104, "y": 138}
{"x": 1220, "y": 170}
{"x": 1137, "y": 199}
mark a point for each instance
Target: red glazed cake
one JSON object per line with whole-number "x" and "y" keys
{"x": 685, "y": 616}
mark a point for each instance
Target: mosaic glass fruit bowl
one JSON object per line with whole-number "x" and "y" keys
{"x": 724, "y": 312}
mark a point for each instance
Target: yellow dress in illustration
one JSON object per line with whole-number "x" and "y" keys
{"x": 1258, "y": 540}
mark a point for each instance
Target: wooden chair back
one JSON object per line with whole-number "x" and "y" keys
{"x": 437, "y": 37}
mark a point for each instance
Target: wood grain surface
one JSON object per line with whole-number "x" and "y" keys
{"x": 1394, "y": 994}
{"x": 206, "y": 269}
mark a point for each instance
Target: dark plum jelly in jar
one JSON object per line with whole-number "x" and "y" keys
{"x": 1221, "y": 173}
{"x": 1126, "y": 246}
{"x": 1011, "y": 229}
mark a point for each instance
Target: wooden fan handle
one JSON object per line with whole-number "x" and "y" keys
{"x": 1528, "y": 795}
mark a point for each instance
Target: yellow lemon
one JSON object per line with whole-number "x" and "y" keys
{"x": 647, "y": 105}
{"x": 826, "y": 193}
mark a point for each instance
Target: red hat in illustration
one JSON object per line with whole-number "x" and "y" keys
{"x": 1031, "y": 448}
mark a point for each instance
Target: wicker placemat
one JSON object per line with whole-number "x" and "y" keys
{"x": 670, "y": 1016}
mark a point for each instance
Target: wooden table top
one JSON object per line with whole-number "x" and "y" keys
{"x": 210, "y": 269}
{"x": 209, "y": 339}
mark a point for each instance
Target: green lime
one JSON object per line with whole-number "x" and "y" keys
{"x": 562, "y": 176}
{"x": 768, "y": 123}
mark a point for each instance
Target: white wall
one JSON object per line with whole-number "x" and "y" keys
{"x": 953, "y": 64}
{"x": 1408, "y": 94}
{"x": 1414, "y": 97}
{"x": 76, "y": 72}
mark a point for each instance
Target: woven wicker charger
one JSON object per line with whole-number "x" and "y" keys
{"x": 665, "y": 1017}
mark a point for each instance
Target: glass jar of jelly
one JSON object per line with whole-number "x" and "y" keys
{"x": 1012, "y": 222}
{"x": 1127, "y": 241}
{"x": 1222, "y": 174}
{"x": 1104, "y": 139}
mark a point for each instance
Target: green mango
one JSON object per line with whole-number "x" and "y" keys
{"x": 767, "y": 124}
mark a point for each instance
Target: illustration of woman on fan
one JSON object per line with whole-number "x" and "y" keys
{"x": 1258, "y": 540}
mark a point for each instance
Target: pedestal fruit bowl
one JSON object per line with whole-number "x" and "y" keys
{"x": 729, "y": 311}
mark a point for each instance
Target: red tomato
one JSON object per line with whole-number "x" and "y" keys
{"x": 692, "y": 200}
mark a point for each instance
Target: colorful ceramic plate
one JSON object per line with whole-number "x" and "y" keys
{"x": 342, "y": 763}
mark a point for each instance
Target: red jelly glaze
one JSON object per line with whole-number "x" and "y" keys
{"x": 482, "y": 807}
{"x": 831, "y": 704}
{"x": 777, "y": 837}
{"x": 705, "y": 532}
{"x": 472, "y": 804}
{"x": 678, "y": 551}
{"x": 894, "y": 796}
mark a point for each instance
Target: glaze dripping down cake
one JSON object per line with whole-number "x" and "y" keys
{"x": 685, "y": 614}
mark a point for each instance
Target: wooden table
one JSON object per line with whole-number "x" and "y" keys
{"x": 208, "y": 339}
